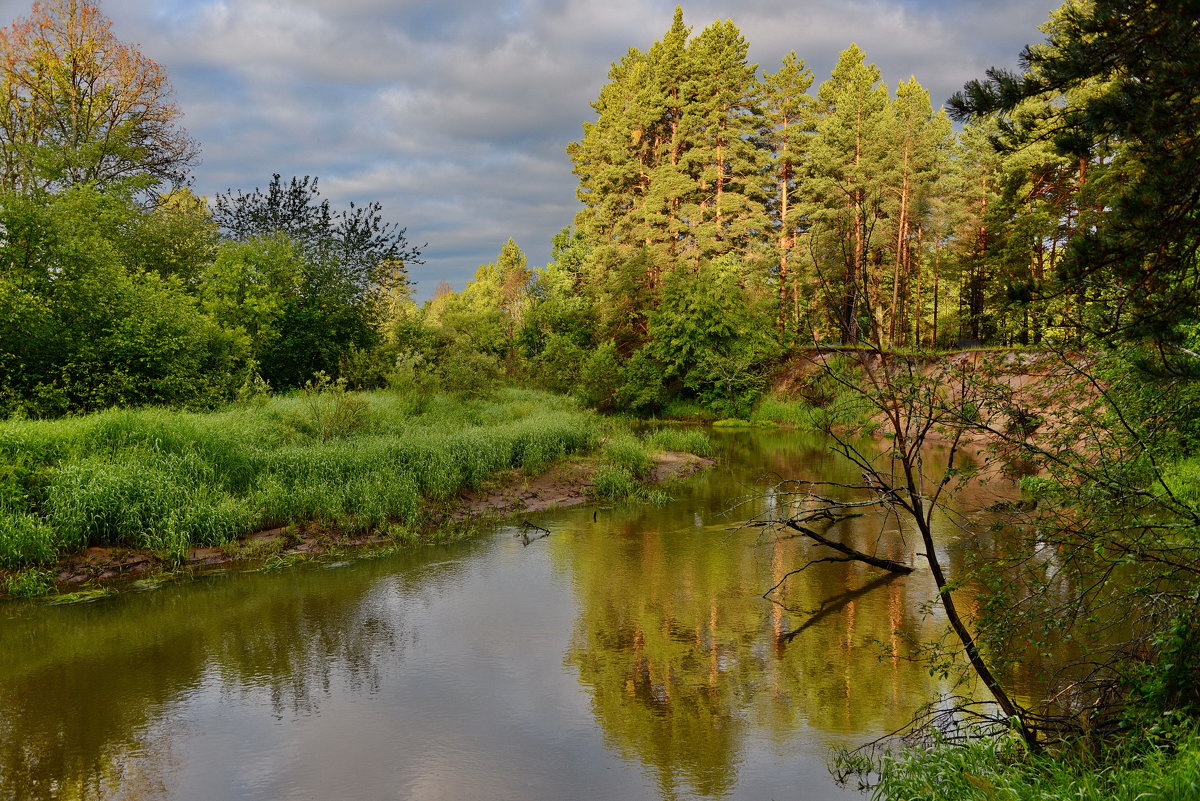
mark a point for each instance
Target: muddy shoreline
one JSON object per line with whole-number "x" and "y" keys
{"x": 506, "y": 495}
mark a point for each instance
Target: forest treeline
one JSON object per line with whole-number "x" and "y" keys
{"x": 729, "y": 214}
{"x": 120, "y": 287}
{"x": 732, "y": 214}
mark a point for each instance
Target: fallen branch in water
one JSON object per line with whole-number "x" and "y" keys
{"x": 797, "y": 524}
{"x": 527, "y": 526}
{"x": 851, "y": 553}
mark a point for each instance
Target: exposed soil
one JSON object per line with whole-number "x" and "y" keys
{"x": 1026, "y": 395}
{"x": 563, "y": 485}
{"x": 507, "y": 494}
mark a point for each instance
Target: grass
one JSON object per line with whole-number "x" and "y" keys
{"x": 784, "y": 411}
{"x": 680, "y": 440}
{"x": 614, "y": 484}
{"x": 167, "y": 481}
{"x": 687, "y": 409}
{"x": 628, "y": 453}
{"x": 1151, "y": 768}
{"x": 844, "y": 409}
{"x": 627, "y": 461}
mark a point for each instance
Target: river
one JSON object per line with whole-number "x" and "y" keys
{"x": 629, "y": 655}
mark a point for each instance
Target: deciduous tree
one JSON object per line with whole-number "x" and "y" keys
{"x": 79, "y": 105}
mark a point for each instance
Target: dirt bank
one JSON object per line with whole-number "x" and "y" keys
{"x": 510, "y": 493}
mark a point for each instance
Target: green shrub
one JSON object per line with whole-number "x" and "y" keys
{"x": 328, "y": 411}
{"x": 600, "y": 378}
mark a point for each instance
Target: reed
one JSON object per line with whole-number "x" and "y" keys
{"x": 1163, "y": 768}
{"x": 680, "y": 440}
{"x": 167, "y": 480}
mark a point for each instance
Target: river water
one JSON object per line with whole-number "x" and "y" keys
{"x": 629, "y": 655}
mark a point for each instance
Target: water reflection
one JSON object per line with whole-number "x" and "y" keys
{"x": 629, "y": 655}
{"x": 682, "y": 656}
{"x": 87, "y": 690}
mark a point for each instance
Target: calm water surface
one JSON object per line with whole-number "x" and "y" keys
{"x": 628, "y": 656}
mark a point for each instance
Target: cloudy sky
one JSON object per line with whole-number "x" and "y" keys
{"x": 454, "y": 114}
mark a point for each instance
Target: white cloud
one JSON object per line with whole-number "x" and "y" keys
{"x": 455, "y": 114}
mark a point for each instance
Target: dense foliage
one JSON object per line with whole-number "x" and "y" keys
{"x": 119, "y": 287}
{"x": 716, "y": 199}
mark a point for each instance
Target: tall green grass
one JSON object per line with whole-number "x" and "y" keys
{"x": 627, "y": 461}
{"x": 846, "y": 409}
{"x": 168, "y": 480}
{"x": 627, "y": 452}
{"x": 1158, "y": 769}
{"x": 680, "y": 440}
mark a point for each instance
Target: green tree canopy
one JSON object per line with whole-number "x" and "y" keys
{"x": 78, "y": 105}
{"x": 1141, "y": 57}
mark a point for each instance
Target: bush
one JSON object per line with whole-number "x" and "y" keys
{"x": 600, "y": 378}
{"x": 467, "y": 372}
{"x": 328, "y": 411}
{"x": 558, "y": 366}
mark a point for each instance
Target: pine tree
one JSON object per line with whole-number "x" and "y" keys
{"x": 979, "y": 168}
{"x": 1144, "y": 239}
{"x": 850, "y": 160}
{"x": 629, "y": 160}
{"x": 725, "y": 157}
{"x": 791, "y": 121}
{"x": 919, "y": 138}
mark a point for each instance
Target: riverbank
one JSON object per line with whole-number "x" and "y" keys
{"x": 125, "y": 491}
{"x": 506, "y": 495}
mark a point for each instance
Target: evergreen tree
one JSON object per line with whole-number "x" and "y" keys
{"x": 979, "y": 176}
{"x": 724, "y": 158}
{"x": 849, "y": 169}
{"x": 919, "y": 139}
{"x": 1144, "y": 57}
{"x": 671, "y": 170}
{"x": 791, "y": 119}
{"x": 615, "y": 157}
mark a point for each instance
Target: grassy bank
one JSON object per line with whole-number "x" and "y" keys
{"x": 626, "y": 462}
{"x": 167, "y": 481}
{"x": 1164, "y": 766}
